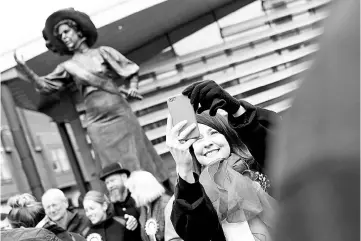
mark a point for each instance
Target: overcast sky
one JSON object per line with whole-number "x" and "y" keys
{"x": 23, "y": 20}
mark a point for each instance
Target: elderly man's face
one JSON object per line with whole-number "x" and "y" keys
{"x": 55, "y": 208}
{"x": 115, "y": 186}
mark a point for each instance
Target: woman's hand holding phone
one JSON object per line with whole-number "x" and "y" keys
{"x": 179, "y": 148}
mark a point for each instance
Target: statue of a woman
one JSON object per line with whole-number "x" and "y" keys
{"x": 97, "y": 72}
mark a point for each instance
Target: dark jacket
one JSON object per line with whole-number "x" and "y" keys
{"x": 77, "y": 221}
{"x": 24, "y": 234}
{"x": 63, "y": 234}
{"x": 128, "y": 206}
{"x": 112, "y": 229}
{"x": 49, "y": 231}
{"x": 255, "y": 128}
{"x": 193, "y": 215}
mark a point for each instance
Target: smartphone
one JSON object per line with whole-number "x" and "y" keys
{"x": 181, "y": 109}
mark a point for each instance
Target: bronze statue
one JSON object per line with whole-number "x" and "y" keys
{"x": 98, "y": 72}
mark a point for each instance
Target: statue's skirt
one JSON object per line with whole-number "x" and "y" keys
{"x": 117, "y": 135}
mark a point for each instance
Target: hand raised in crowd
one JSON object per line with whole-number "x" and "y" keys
{"x": 180, "y": 148}
{"x": 211, "y": 97}
{"x": 132, "y": 222}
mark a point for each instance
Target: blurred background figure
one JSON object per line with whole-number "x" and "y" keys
{"x": 151, "y": 198}
{"x": 104, "y": 226}
{"x": 56, "y": 208}
{"x": 316, "y": 165}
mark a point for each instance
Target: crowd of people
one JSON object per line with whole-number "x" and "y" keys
{"x": 133, "y": 199}
{"x": 139, "y": 204}
{"x": 222, "y": 191}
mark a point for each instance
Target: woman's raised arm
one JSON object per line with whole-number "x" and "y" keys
{"x": 44, "y": 84}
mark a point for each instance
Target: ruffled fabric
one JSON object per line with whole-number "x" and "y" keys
{"x": 235, "y": 197}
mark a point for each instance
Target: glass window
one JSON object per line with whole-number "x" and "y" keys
{"x": 5, "y": 171}
{"x": 64, "y": 162}
{"x": 60, "y": 162}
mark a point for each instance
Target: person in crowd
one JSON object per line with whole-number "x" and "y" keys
{"x": 27, "y": 212}
{"x": 26, "y": 234}
{"x": 4, "y": 224}
{"x": 104, "y": 225}
{"x": 99, "y": 74}
{"x": 316, "y": 158}
{"x": 115, "y": 176}
{"x": 150, "y": 197}
{"x": 56, "y": 207}
{"x": 217, "y": 196}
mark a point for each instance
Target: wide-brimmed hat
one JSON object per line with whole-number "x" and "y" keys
{"x": 84, "y": 24}
{"x": 114, "y": 168}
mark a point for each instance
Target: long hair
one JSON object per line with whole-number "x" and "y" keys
{"x": 220, "y": 124}
{"x": 144, "y": 187}
{"x": 25, "y": 211}
{"x": 100, "y": 198}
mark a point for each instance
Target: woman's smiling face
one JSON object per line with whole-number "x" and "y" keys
{"x": 210, "y": 146}
{"x": 96, "y": 212}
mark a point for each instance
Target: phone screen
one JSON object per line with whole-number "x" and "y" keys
{"x": 180, "y": 109}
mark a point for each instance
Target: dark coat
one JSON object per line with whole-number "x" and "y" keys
{"x": 128, "y": 206}
{"x": 63, "y": 234}
{"x": 110, "y": 230}
{"x": 24, "y": 234}
{"x": 256, "y": 127}
{"x": 193, "y": 215}
{"x": 78, "y": 221}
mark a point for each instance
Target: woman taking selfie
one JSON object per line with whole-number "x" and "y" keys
{"x": 218, "y": 197}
